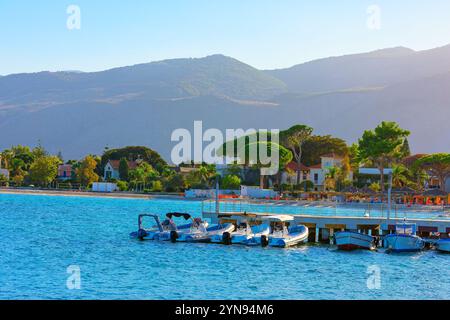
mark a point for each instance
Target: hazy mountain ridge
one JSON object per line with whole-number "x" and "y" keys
{"x": 79, "y": 113}
{"x": 373, "y": 69}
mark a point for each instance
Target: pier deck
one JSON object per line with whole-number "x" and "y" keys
{"x": 340, "y": 222}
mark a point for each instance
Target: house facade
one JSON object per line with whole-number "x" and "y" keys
{"x": 111, "y": 170}
{"x": 65, "y": 172}
{"x": 316, "y": 174}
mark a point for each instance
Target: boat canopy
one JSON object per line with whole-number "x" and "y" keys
{"x": 406, "y": 228}
{"x": 278, "y": 218}
{"x": 186, "y": 216}
{"x": 154, "y": 216}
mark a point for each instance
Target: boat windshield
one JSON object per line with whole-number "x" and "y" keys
{"x": 405, "y": 228}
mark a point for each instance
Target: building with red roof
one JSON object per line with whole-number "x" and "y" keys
{"x": 315, "y": 173}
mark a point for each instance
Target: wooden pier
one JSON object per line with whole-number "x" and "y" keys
{"x": 322, "y": 227}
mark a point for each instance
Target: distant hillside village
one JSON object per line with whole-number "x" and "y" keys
{"x": 309, "y": 164}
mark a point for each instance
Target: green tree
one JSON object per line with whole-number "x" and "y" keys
{"x": 157, "y": 186}
{"x": 39, "y": 151}
{"x": 175, "y": 183}
{"x": 122, "y": 185}
{"x": 293, "y": 139}
{"x": 437, "y": 165}
{"x": 332, "y": 177}
{"x": 86, "y": 171}
{"x": 123, "y": 169}
{"x": 381, "y": 146}
{"x": 231, "y": 182}
{"x": 375, "y": 187}
{"x": 3, "y": 180}
{"x": 399, "y": 175}
{"x": 202, "y": 177}
{"x": 317, "y": 146}
{"x": 405, "y": 150}
{"x": 305, "y": 185}
{"x": 144, "y": 174}
{"x": 284, "y": 156}
{"x": 44, "y": 170}
{"x": 134, "y": 153}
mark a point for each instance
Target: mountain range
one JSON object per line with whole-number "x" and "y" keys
{"x": 79, "y": 112}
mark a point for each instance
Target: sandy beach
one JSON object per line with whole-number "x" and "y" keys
{"x": 73, "y": 193}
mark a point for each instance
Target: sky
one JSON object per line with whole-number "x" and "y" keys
{"x": 267, "y": 34}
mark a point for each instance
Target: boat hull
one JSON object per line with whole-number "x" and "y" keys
{"x": 292, "y": 239}
{"x": 403, "y": 243}
{"x": 443, "y": 245}
{"x": 216, "y": 235}
{"x": 353, "y": 240}
{"x": 193, "y": 237}
{"x": 252, "y": 238}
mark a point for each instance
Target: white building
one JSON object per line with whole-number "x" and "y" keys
{"x": 316, "y": 174}
{"x": 111, "y": 170}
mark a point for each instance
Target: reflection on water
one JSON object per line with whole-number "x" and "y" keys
{"x": 42, "y": 236}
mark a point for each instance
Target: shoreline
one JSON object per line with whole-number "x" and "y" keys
{"x": 72, "y": 193}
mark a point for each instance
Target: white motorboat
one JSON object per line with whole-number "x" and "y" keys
{"x": 283, "y": 236}
{"x": 196, "y": 233}
{"x": 443, "y": 245}
{"x": 220, "y": 233}
{"x": 404, "y": 239}
{"x": 349, "y": 240}
{"x": 250, "y": 235}
{"x": 161, "y": 231}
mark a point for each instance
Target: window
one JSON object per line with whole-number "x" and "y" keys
{"x": 316, "y": 177}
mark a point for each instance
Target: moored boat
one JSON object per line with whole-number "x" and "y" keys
{"x": 349, "y": 240}
{"x": 250, "y": 235}
{"x": 162, "y": 230}
{"x": 196, "y": 233}
{"x": 443, "y": 245}
{"x": 220, "y": 233}
{"x": 282, "y": 235}
{"x": 404, "y": 239}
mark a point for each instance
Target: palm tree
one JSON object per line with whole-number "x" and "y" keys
{"x": 5, "y": 158}
{"x": 332, "y": 177}
{"x": 399, "y": 176}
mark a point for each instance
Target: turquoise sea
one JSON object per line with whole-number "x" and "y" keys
{"x": 43, "y": 236}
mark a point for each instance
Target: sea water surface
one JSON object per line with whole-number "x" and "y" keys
{"x": 43, "y": 236}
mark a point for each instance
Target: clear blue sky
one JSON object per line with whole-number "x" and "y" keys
{"x": 263, "y": 33}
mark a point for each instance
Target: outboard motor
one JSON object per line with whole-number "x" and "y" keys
{"x": 141, "y": 234}
{"x": 264, "y": 241}
{"x": 173, "y": 236}
{"x": 226, "y": 238}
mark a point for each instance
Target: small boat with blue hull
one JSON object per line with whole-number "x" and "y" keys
{"x": 196, "y": 233}
{"x": 404, "y": 239}
{"x": 349, "y": 240}
{"x": 250, "y": 235}
{"x": 282, "y": 235}
{"x": 221, "y": 233}
{"x": 162, "y": 230}
{"x": 443, "y": 245}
